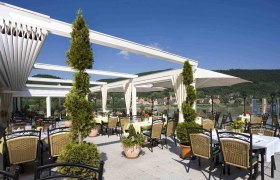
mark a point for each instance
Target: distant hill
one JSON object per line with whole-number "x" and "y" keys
{"x": 139, "y": 74}
{"x": 264, "y": 83}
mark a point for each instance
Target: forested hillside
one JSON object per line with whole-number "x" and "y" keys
{"x": 264, "y": 82}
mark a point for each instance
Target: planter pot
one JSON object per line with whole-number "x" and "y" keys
{"x": 93, "y": 133}
{"x": 132, "y": 152}
{"x": 68, "y": 123}
{"x": 185, "y": 151}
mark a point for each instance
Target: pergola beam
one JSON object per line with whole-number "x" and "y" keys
{"x": 38, "y": 79}
{"x": 63, "y": 29}
{"x": 89, "y": 71}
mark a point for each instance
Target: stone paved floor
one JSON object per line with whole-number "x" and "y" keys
{"x": 161, "y": 164}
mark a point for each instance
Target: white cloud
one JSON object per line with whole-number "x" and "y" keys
{"x": 124, "y": 54}
{"x": 155, "y": 45}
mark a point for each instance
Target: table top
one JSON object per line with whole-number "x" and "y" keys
{"x": 270, "y": 144}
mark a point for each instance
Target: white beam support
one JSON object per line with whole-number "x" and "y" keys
{"x": 37, "y": 79}
{"x": 104, "y": 98}
{"x": 47, "y": 86}
{"x": 133, "y": 100}
{"x": 63, "y": 29}
{"x": 89, "y": 71}
{"x": 48, "y": 106}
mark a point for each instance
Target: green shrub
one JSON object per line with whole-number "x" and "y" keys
{"x": 83, "y": 153}
{"x": 188, "y": 112}
{"x": 132, "y": 139}
{"x": 181, "y": 131}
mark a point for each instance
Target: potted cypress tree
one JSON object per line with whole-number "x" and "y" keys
{"x": 188, "y": 112}
{"x": 94, "y": 128}
{"x": 80, "y": 58}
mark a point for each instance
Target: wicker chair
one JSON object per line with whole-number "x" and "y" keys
{"x": 111, "y": 126}
{"x": 58, "y": 139}
{"x": 224, "y": 120}
{"x": 217, "y": 116}
{"x": 237, "y": 151}
{"x": 124, "y": 121}
{"x": 21, "y": 147}
{"x": 265, "y": 118}
{"x": 169, "y": 130}
{"x": 45, "y": 172}
{"x": 49, "y": 123}
{"x": 268, "y": 130}
{"x": 202, "y": 147}
{"x": 155, "y": 133}
{"x": 10, "y": 176}
{"x": 137, "y": 118}
{"x": 208, "y": 124}
{"x": 255, "y": 120}
{"x": 274, "y": 119}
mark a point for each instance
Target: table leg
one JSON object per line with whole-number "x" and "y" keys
{"x": 272, "y": 166}
{"x": 262, "y": 164}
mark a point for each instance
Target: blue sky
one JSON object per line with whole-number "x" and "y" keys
{"x": 218, "y": 34}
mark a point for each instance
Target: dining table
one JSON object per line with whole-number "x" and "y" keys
{"x": 267, "y": 146}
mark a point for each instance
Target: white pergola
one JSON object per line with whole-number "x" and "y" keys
{"x": 22, "y": 34}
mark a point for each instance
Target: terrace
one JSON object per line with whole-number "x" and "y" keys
{"x": 24, "y": 32}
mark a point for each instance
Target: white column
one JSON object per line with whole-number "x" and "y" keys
{"x": 127, "y": 96}
{"x": 133, "y": 99}
{"x": 18, "y": 104}
{"x": 48, "y": 105}
{"x": 104, "y": 98}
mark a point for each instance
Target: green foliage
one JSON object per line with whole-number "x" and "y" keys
{"x": 187, "y": 74}
{"x": 80, "y": 57}
{"x": 191, "y": 95}
{"x": 188, "y": 112}
{"x": 132, "y": 139}
{"x": 80, "y": 54}
{"x": 181, "y": 131}
{"x": 81, "y": 83}
{"x": 83, "y": 153}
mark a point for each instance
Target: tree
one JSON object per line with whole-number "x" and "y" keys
{"x": 80, "y": 57}
{"x": 188, "y": 112}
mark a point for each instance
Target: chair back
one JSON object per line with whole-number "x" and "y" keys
{"x": 22, "y": 146}
{"x": 71, "y": 170}
{"x": 58, "y": 139}
{"x": 274, "y": 119}
{"x": 256, "y": 120}
{"x": 268, "y": 130}
{"x": 124, "y": 122}
{"x": 217, "y": 116}
{"x": 9, "y": 176}
{"x": 137, "y": 118}
{"x": 156, "y": 129}
{"x": 208, "y": 124}
{"x": 170, "y": 128}
{"x": 224, "y": 120}
{"x": 112, "y": 122}
{"x": 236, "y": 149}
{"x": 265, "y": 118}
{"x": 201, "y": 142}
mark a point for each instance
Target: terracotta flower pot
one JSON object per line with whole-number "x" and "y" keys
{"x": 93, "y": 133}
{"x": 68, "y": 123}
{"x": 185, "y": 151}
{"x": 132, "y": 152}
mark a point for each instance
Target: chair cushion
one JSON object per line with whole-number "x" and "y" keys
{"x": 215, "y": 150}
{"x": 147, "y": 133}
{"x": 255, "y": 159}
